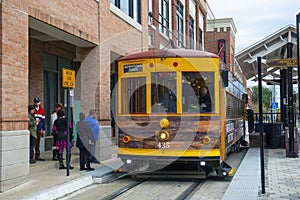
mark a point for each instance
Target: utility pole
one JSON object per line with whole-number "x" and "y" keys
{"x": 262, "y": 162}
{"x": 298, "y": 63}
{"x": 291, "y": 120}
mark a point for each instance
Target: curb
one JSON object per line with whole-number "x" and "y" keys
{"x": 62, "y": 189}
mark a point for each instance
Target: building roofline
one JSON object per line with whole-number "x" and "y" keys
{"x": 281, "y": 30}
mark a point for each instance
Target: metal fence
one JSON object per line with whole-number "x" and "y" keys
{"x": 273, "y": 117}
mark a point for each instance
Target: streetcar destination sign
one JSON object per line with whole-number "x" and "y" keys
{"x": 287, "y": 62}
{"x": 133, "y": 68}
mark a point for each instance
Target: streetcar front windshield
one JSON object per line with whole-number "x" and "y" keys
{"x": 133, "y": 95}
{"x": 163, "y": 92}
{"x": 198, "y": 92}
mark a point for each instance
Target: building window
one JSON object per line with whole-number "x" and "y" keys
{"x": 192, "y": 35}
{"x": 131, "y": 7}
{"x": 200, "y": 39}
{"x": 164, "y": 17}
{"x": 179, "y": 24}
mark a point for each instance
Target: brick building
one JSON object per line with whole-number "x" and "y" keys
{"x": 177, "y": 23}
{"x": 224, "y": 31}
{"x": 40, "y": 38}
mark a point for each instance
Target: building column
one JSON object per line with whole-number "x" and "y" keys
{"x": 14, "y": 134}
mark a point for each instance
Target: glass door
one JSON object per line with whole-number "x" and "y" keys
{"x": 53, "y": 90}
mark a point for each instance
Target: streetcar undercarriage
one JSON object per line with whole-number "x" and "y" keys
{"x": 182, "y": 167}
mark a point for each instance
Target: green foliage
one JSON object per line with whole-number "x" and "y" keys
{"x": 266, "y": 97}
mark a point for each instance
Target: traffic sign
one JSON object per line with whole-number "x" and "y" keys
{"x": 274, "y": 104}
{"x": 68, "y": 80}
{"x": 287, "y": 62}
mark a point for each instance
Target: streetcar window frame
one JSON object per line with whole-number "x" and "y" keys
{"x": 191, "y": 99}
{"x": 163, "y": 92}
{"x": 133, "y": 95}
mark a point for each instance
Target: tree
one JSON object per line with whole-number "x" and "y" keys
{"x": 266, "y": 98}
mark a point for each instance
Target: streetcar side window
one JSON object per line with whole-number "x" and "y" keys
{"x": 163, "y": 92}
{"x": 133, "y": 95}
{"x": 197, "y": 92}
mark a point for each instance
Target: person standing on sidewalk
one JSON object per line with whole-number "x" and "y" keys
{"x": 85, "y": 142}
{"x": 60, "y": 127}
{"x": 32, "y": 130}
{"x": 57, "y": 107}
{"x": 91, "y": 119}
{"x": 39, "y": 115}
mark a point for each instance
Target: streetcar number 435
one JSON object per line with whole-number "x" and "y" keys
{"x": 163, "y": 145}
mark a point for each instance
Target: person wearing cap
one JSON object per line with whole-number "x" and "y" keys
{"x": 39, "y": 115}
{"x": 32, "y": 129}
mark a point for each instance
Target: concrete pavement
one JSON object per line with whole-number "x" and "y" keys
{"x": 282, "y": 180}
{"x": 46, "y": 181}
{"x": 281, "y": 177}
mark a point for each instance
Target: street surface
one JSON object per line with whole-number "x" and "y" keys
{"x": 213, "y": 187}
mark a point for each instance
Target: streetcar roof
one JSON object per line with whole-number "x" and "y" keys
{"x": 169, "y": 53}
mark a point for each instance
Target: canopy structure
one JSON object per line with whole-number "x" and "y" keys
{"x": 274, "y": 46}
{"x": 279, "y": 45}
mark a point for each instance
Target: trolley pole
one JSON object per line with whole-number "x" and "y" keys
{"x": 262, "y": 163}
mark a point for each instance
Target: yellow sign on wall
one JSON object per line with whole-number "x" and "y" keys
{"x": 68, "y": 80}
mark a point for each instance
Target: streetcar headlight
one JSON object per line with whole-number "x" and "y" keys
{"x": 126, "y": 139}
{"x": 206, "y": 139}
{"x": 163, "y": 135}
{"x": 128, "y": 161}
{"x": 164, "y": 123}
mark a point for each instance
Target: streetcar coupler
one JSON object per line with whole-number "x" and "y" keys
{"x": 225, "y": 170}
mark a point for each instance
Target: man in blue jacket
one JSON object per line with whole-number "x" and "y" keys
{"x": 91, "y": 119}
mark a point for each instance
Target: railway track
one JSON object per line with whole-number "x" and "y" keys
{"x": 123, "y": 190}
{"x": 189, "y": 188}
{"x": 162, "y": 187}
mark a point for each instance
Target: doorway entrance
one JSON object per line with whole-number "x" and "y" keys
{"x": 53, "y": 90}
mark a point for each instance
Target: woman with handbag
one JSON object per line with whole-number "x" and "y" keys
{"x": 60, "y": 127}
{"x": 57, "y": 107}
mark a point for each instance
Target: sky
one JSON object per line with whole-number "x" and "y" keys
{"x": 256, "y": 19}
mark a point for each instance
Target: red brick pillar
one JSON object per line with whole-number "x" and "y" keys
{"x": 187, "y": 23}
{"x": 14, "y": 135}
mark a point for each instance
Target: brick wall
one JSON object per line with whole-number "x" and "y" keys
{"x": 211, "y": 43}
{"x": 158, "y": 38}
{"x": 14, "y": 138}
{"x": 79, "y": 18}
{"x": 36, "y": 72}
{"x": 119, "y": 37}
{"x": 14, "y": 69}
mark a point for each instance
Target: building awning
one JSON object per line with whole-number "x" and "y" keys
{"x": 274, "y": 46}
{"x": 45, "y": 32}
